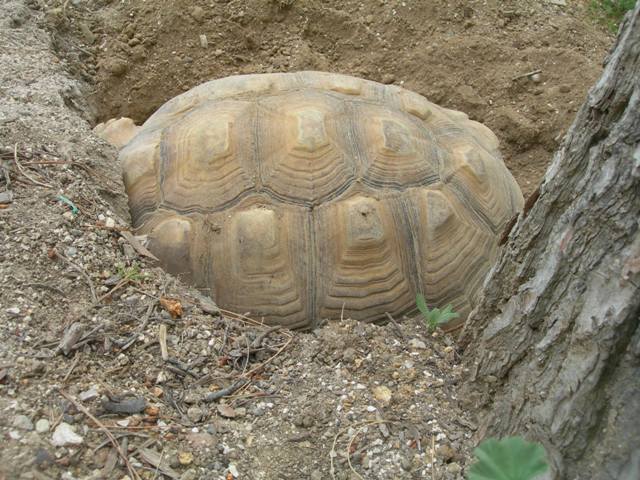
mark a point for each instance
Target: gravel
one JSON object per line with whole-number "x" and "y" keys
{"x": 81, "y": 314}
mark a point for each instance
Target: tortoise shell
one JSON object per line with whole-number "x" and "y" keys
{"x": 303, "y": 196}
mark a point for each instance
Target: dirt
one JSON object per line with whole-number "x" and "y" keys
{"x": 460, "y": 54}
{"x": 347, "y": 401}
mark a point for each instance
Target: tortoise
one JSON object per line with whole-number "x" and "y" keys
{"x": 305, "y": 196}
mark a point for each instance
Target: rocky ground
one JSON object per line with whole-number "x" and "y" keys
{"x": 110, "y": 368}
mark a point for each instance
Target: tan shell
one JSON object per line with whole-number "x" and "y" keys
{"x": 303, "y": 196}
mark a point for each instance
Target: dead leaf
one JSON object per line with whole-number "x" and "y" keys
{"x": 171, "y": 305}
{"x": 158, "y": 461}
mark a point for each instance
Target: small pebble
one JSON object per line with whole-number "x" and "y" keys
{"x": 190, "y": 474}
{"x": 198, "y": 14}
{"x": 42, "y": 425}
{"x": 406, "y": 464}
{"x": 65, "y": 435}
{"x": 185, "y": 458}
{"x": 195, "y": 414}
{"x": 22, "y": 422}
{"x": 87, "y": 395}
{"x": 388, "y": 78}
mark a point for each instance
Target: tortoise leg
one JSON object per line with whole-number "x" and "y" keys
{"x": 117, "y": 131}
{"x": 171, "y": 241}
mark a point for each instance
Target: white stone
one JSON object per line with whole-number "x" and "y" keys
{"x": 88, "y": 394}
{"x": 22, "y": 422}
{"x": 42, "y": 425}
{"x": 417, "y": 344}
{"x": 64, "y": 435}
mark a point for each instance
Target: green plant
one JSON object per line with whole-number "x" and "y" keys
{"x": 611, "y": 12}
{"x": 130, "y": 273}
{"x": 511, "y": 458}
{"x": 434, "y": 317}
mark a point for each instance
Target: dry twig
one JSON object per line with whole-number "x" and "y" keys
{"x": 433, "y": 458}
{"x": 76, "y": 358}
{"x": 528, "y": 74}
{"x": 349, "y": 454}
{"x": 213, "y": 396}
{"x": 162, "y": 338}
{"x": 114, "y": 442}
{"x": 268, "y": 360}
{"x": 82, "y": 272}
{"x": 395, "y": 324}
{"x": 21, "y": 170}
{"x": 332, "y": 453}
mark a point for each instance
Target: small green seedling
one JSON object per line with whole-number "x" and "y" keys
{"x": 132, "y": 273}
{"x": 511, "y": 458}
{"x": 434, "y": 317}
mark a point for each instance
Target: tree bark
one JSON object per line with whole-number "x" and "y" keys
{"x": 553, "y": 349}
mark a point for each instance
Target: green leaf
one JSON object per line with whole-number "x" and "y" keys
{"x": 511, "y": 458}
{"x": 447, "y": 314}
{"x": 422, "y": 304}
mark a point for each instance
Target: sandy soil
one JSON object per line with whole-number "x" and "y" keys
{"x": 460, "y": 54}
{"x": 83, "y": 309}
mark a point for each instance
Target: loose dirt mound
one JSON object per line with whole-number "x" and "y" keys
{"x": 460, "y": 54}
{"x": 83, "y": 310}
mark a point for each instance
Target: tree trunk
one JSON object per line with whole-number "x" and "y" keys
{"x": 554, "y": 347}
